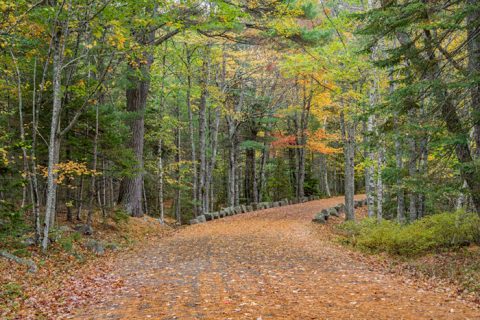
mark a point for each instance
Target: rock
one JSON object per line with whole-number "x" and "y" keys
{"x": 325, "y": 213}
{"x": 319, "y": 218}
{"x": 244, "y": 208}
{"x": 111, "y": 246}
{"x": 237, "y": 209}
{"x": 28, "y": 241}
{"x": 64, "y": 229}
{"x": 216, "y": 215}
{"x": 201, "y": 219}
{"x": 95, "y": 246}
{"x": 208, "y": 216}
{"x": 193, "y": 221}
{"x": 32, "y": 267}
{"x": 222, "y": 213}
{"x": 254, "y": 206}
{"x": 333, "y": 212}
{"x": 84, "y": 229}
{"x": 249, "y": 208}
{"x": 275, "y": 204}
{"x": 341, "y": 208}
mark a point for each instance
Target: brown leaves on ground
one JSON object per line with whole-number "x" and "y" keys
{"x": 269, "y": 264}
{"x": 67, "y": 280}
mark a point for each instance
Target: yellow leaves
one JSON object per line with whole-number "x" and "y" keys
{"x": 3, "y": 157}
{"x": 70, "y": 170}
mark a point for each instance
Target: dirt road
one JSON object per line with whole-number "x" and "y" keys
{"x": 269, "y": 264}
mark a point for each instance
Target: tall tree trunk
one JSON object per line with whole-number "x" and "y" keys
{"x": 348, "y": 137}
{"x": 54, "y": 140}
{"x": 213, "y": 158}
{"x": 177, "y": 200}
{"x": 93, "y": 188}
{"x": 473, "y": 30}
{"x": 33, "y": 156}
{"x": 370, "y": 169}
{"x": 380, "y": 164}
{"x": 136, "y": 94}
{"x": 195, "y": 189}
{"x": 262, "y": 174}
{"x": 202, "y": 127}
{"x": 160, "y": 181}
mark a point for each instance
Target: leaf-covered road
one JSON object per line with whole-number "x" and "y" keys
{"x": 269, "y": 264}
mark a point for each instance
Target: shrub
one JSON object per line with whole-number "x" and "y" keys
{"x": 444, "y": 230}
{"x": 120, "y": 216}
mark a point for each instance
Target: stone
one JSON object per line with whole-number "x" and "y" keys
{"x": 254, "y": 206}
{"x": 275, "y": 204}
{"x": 192, "y": 221}
{"x": 238, "y": 209}
{"x": 208, "y": 216}
{"x": 249, "y": 208}
{"x": 111, "y": 246}
{"x": 244, "y": 208}
{"x": 340, "y": 208}
{"x": 325, "y": 213}
{"x": 28, "y": 241}
{"x": 64, "y": 229}
{"x": 222, "y": 213}
{"x": 216, "y": 215}
{"x": 319, "y": 218}
{"x": 201, "y": 219}
{"x": 95, "y": 246}
{"x": 333, "y": 212}
{"x": 84, "y": 229}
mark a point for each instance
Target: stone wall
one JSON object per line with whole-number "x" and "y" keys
{"x": 336, "y": 211}
{"x": 230, "y": 211}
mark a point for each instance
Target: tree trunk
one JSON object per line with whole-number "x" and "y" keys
{"x": 54, "y": 140}
{"x": 370, "y": 169}
{"x": 136, "y": 94}
{"x": 177, "y": 200}
{"x": 213, "y": 158}
{"x": 93, "y": 189}
{"x": 348, "y": 137}
{"x": 473, "y": 30}
{"x": 202, "y": 127}
{"x": 380, "y": 164}
{"x": 195, "y": 189}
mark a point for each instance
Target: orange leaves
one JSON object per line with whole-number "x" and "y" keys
{"x": 283, "y": 141}
{"x": 318, "y": 142}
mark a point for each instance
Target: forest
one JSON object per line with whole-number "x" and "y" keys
{"x": 174, "y": 109}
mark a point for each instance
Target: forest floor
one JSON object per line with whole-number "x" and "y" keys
{"x": 268, "y": 264}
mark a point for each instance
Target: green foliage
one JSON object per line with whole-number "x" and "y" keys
{"x": 10, "y": 291}
{"x": 435, "y": 232}
{"x": 12, "y": 223}
{"x": 120, "y": 216}
{"x": 68, "y": 242}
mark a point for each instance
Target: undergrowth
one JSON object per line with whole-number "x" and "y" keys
{"x": 429, "y": 234}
